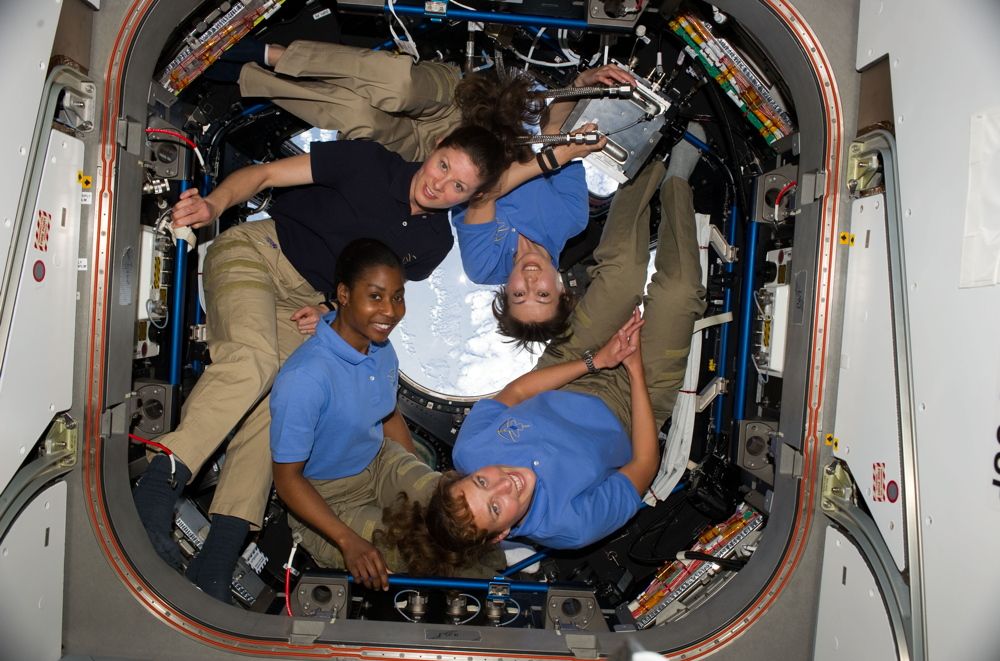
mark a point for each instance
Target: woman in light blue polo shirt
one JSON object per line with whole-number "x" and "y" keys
{"x": 562, "y": 455}
{"x": 334, "y": 422}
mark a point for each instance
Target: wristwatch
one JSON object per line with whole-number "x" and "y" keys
{"x": 588, "y": 358}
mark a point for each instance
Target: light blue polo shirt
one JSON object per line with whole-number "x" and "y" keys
{"x": 549, "y": 210}
{"x": 328, "y": 403}
{"x": 575, "y": 445}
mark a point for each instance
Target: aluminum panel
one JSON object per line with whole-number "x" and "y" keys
{"x": 954, "y": 354}
{"x": 27, "y": 29}
{"x": 852, "y": 623}
{"x": 32, "y": 558}
{"x": 866, "y": 428}
{"x": 36, "y": 377}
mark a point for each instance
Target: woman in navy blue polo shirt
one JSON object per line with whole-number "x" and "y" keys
{"x": 258, "y": 279}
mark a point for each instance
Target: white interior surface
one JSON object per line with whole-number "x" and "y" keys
{"x": 937, "y": 55}
{"x": 852, "y": 624}
{"x": 27, "y": 30}
{"x": 866, "y": 426}
{"x": 981, "y": 250}
{"x": 36, "y": 379}
{"x": 32, "y": 557}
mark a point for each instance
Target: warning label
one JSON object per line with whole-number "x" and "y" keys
{"x": 878, "y": 482}
{"x": 42, "y": 231}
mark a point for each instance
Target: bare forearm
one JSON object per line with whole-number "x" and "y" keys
{"x": 539, "y": 381}
{"x": 395, "y": 428}
{"x": 237, "y": 188}
{"x": 645, "y": 447}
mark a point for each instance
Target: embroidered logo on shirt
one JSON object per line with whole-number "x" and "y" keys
{"x": 511, "y": 429}
{"x": 501, "y": 231}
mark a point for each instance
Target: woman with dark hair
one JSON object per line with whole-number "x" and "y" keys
{"x": 379, "y": 95}
{"x": 340, "y": 448}
{"x": 385, "y": 96}
{"x": 562, "y": 455}
{"x": 515, "y": 241}
{"x": 264, "y": 283}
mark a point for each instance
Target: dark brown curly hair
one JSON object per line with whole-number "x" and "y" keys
{"x": 525, "y": 334}
{"x": 503, "y": 105}
{"x": 439, "y": 539}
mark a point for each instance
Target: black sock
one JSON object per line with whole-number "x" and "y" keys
{"x": 155, "y": 496}
{"x": 212, "y": 570}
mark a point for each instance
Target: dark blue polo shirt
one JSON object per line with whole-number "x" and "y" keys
{"x": 360, "y": 189}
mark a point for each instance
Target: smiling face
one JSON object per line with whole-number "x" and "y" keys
{"x": 371, "y": 307}
{"x": 498, "y": 496}
{"x": 534, "y": 284}
{"x": 448, "y": 177}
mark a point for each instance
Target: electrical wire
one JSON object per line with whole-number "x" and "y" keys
{"x": 791, "y": 185}
{"x": 412, "y": 50}
{"x": 288, "y": 579}
{"x": 515, "y": 616}
{"x": 534, "y": 42}
{"x": 562, "y": 37}
{"x": 183, "y": 138}
{"x": 398, "y": 608}
{"x": 162, "y": 448}
{"x": 150, "y": 314}
{"x": 730, "y": 564}
{"x": 479, "y": 607}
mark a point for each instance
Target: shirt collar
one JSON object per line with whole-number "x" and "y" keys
{"x": 400, "y": 186}
{"x": 332, "y": 340}
{"x": 533, "y": 517}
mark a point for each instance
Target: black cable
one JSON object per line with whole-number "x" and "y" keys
{"x": 730, "y": 564}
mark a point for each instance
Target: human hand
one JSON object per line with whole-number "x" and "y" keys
{"x": 579, "y": 151}
{"x": 306, "y": 318}
{"x": 192, "y": 210}
{"x": 609, "y": 74}
{"x": 623, "y": 347}
{"x": 365, "y": 563}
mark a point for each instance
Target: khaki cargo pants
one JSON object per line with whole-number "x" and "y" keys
{"x": 673, "y": 302}
{"x": 374, "y": 95}
{"x": 251, "y": 290}
{"x": 358, "y": 501}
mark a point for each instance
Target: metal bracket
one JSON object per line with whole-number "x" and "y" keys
{"x": 582, "y": 645}
{"x": 128, "y": 135}
{"x": 573, "y": 609}
{"x": 498, "y": 590}
{"x": 865, "y": 175}
{"x": 199, "y": 333}
{"x": 811, "y": 186}
{"x": 714, "y": 388}
{"x": 305, "y": 632}
{"x": 726, "y": 252}
{"x": 323, "y": 597}
{"x": 60, "y": 443}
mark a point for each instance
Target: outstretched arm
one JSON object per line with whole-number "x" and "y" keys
{"x": 363, "y": 560}
{"x": 555, "y": 376}
{"x": 645, "y": 461}
{"x": 609, "y": 74}
{"x": 195, "y": 211}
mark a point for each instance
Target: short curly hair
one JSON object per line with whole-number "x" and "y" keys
{"x": 525, "y": 334}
